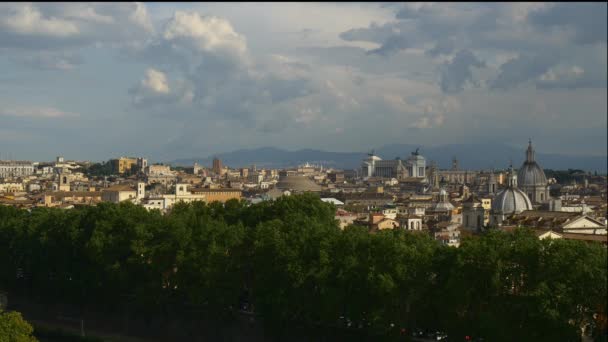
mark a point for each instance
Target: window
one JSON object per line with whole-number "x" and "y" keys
{"x": 466, "y": 220}
{"x": 542, "y": 197}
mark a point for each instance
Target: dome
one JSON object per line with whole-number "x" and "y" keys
{"x": 297, "y": 183}
{"x": 530, "y": 173}
{"x": 443, "y": 204}
{"x": 511, "y": 201}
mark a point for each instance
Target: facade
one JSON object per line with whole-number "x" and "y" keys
{"x": 123, "y": 165}
{"x": 11, "y": 187}
{"x": 165, "y": 180}
{"x": 158, "y": 170}
{"x": 336, "y": 177}
{"x": 142, "y": 163}
{"x": 219, "y": 195}
{"x": 166, "y": 201}
{"x": 410, "y": 222}
{"x": 532, "y": 179}
{"x": 413, "y": 167}
{"x": 473, "y": 214}
{"x": 118, "y": 193}
{"x": 15, "y": 168}
{"x": 54, "y": 199}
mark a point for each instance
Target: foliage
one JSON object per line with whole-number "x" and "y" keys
{"x": 99, "y": 169}
{"x": 292, "y": 264}
{"x": 14, "y": 328}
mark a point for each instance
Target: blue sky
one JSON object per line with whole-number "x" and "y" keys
{"x": 171, "y": 80}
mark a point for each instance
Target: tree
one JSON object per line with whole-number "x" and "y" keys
{"x": 13, "y": 328}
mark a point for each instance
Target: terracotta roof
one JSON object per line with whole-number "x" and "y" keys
{"x": 119, "y": 187}
{"x": 215, "y": 190}
{"x": 585, "y": 237}
{"x": 73, "y": 193}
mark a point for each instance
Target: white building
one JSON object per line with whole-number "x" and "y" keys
{"x": 374, "y": 166}
{"x": 15, "y": 168}
{"x": 163, "y": 202}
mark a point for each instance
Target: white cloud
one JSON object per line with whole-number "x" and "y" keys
{"x": 206, "y": 34}
{"x": 155, "y": 81}
{"x": 27, "y": 19}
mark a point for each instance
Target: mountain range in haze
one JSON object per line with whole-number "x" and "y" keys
{"x": 470, "y": 157}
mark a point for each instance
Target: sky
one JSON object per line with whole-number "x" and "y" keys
{"x": 176, "y": 80}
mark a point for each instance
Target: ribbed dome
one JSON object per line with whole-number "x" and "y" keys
{"x": 511, "y": 201}
{"x": 530, "y": 173}
{"x": 297, "y": 183}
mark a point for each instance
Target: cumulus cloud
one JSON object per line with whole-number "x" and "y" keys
{"x": 27, "y": 19}
{"x": 587, "y": 20}
{"x": 455, "y": 74}
{"x": 569, "y": 77}
{"x": 535, "y": 31}
{"x": 222, "y": 79}
{"x": 50, "y": 35}
{"x": 521, "y": 69}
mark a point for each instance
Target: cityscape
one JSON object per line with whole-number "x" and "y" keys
{"x": 483, "y": 216}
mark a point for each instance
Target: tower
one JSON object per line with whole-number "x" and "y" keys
{"x": 492, "y": 183}
{"x": 454, "y": 164}
{"x": 217, "y": 166}
{"x": 141, "y": 190}
{"x": 472, "y": 214}
{"x": 435, "y": 175}
{"x": 64, "y": 182}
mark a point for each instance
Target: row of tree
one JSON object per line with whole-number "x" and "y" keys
{"x": 290, "y": 262}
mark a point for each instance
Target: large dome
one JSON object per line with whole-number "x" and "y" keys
{"x": 297, "y": 183}
{"x": 511, "y": 201}
{"x": 530, "y": 173}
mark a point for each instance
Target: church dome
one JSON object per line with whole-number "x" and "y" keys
{"x": 530, "y": 173}
{"x": 443, "y": 204}
{"x": 511, "y": 201}
{"x": 297, "y": 183}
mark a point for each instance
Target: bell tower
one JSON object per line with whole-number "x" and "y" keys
{"x": 64, "y": 182}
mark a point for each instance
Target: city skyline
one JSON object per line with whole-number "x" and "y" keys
{"x": 169, "y": 81}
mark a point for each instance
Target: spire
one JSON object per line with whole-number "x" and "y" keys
{"x": 512, "y": 177}
{"x": 529, "y": 152}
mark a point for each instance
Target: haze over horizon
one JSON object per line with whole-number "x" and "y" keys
{"x": 182, "y": 80}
